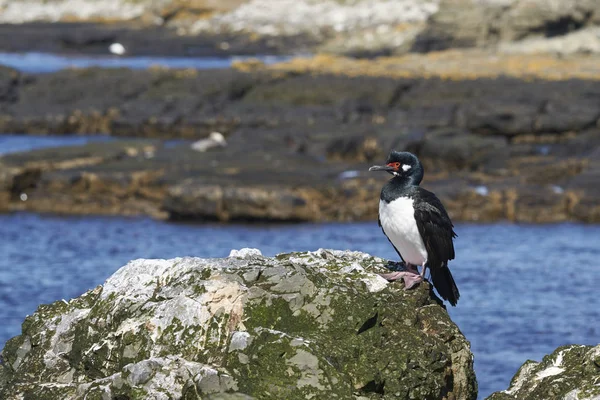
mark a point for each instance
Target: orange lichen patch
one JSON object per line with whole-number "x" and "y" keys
{"x": 96, "y": 19}
{"x": 405, "y": 27}
{"x": 251, "y": 64}
{"x": 452, "y": 65}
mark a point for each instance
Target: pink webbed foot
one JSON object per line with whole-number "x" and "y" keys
{"x": 393, "y": 276}
{"x": 410, "y": 278}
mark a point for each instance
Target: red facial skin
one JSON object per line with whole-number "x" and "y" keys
{"x": 395, "y": 165}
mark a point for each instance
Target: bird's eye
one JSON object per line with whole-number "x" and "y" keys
{"x": 394, "y": 165}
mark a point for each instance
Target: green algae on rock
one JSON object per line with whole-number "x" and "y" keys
{"x": 297, "y": 326}
{"x": 569, "y": 373}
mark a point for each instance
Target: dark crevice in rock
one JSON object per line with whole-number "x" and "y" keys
{"x": 564, "y": 25}
{"x": 374, "y": 386}
{"x": 449, "y": 383}
{"x": 259, "y": 275}
{"x": 370, "y": 323}
{"x": 237, "y": 92}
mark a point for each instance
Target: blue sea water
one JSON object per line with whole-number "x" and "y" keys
{"x": 19, "y": 143}
{"x": 46, "y": 62}
{"x": 525, "y": 289}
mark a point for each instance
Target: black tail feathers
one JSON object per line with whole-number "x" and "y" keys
{"x": 444, "y": 284}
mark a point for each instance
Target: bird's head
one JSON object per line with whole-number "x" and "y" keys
{"x": 402, "y": 164}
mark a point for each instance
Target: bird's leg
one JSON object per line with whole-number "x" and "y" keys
{"x": 411, "y": 268}
{"x": 424, "y": 267}
{"x": 410, "y": 276}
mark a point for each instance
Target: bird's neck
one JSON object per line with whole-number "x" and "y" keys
{"x": 406, "y": 181}
{"x": 398, "y": 186}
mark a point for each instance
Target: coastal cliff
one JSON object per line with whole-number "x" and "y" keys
{"x": 300, "y": 325}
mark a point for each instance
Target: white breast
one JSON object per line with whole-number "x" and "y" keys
{"x": 398, "y": 222}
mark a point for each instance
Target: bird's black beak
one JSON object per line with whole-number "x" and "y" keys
{"x": 381, "y": 168}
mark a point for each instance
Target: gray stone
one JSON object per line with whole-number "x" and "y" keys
{"x": 487, "y": 23}
{"x": 569, "y": 373}
{"x": 301, "y": 325}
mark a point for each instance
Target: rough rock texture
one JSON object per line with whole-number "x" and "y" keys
{"x": 351, "y": 27}
{"x": 360, "y": 27}
{"x": 155, "y": 11}
{"x": 570, "y": 373}
{"x": 487, "y": 23}
{"x": 300, "y": 325}
{"x": 302, "y": 135}
{"x": 583, "y": 41}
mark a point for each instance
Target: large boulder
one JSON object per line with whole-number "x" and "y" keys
{"x": 570, "y": 373}
{"x": 301, "y": 325}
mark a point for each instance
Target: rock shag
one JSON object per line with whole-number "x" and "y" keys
{"x": 417, "y": 225}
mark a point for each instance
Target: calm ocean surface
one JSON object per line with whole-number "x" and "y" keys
{"x": 525, "y": 289}
{"x": 45, "y": 62}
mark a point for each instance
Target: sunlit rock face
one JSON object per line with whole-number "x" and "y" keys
{"x": 302, "y": 325}
{"x": 570, "y": 373}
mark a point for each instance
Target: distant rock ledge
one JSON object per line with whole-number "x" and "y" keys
{"x": 297, "y": 326}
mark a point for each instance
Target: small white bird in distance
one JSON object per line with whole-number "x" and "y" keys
{"x": 117, "y": 48}
{"x": 215, "y": 139}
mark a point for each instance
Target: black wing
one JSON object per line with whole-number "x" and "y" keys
{"x": 437, "y": 232}
{"x": 435, "y": 227}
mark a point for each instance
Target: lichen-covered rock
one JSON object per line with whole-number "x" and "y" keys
{"x": 297, "y": 326}
{"x": 570, "y": 373}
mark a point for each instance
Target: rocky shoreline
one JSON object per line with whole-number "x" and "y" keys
{"x": 516, "y": 144}
{"x": 363, "y": 28}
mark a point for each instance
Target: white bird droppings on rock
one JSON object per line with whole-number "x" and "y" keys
{"x": 554, "y": 369}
